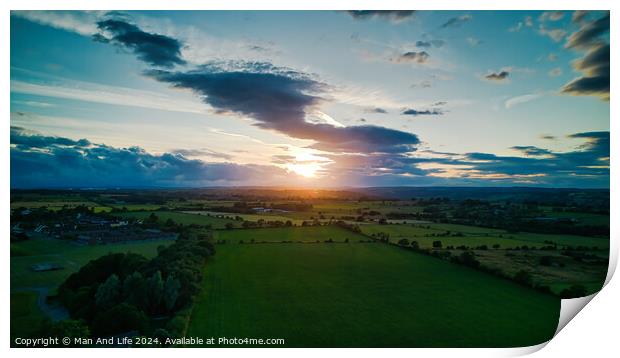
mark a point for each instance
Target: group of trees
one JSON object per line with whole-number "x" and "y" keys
{"x": 120, "y": 293}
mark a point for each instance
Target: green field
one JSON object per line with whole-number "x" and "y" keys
{"x": 363, "y": 295}
{"x": 304, "y": 234}
{"x": 26, "y": 316}
{"x": 475, "y": 236}
{"x": 246, "y": 217}
{"x": 181, "y": 218}
{"x": 66, "y": 254}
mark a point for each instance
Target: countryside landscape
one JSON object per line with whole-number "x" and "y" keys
{"x": 387, "y": 179}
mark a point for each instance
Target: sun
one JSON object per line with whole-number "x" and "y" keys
{"x": 308, "y": 170}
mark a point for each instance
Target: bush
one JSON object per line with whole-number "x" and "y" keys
{"x": 546, "y": 261}
{"x": 120, "y": 319}
{"x": 523, "y": 277}
{"x": 574, "y": 291}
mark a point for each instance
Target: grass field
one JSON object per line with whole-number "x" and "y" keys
{"x": 364, "y": 295}
{"x": 306, "y": 233}
{"x": 475, "y": 236}
{"x": 182, "y": 218}
{"x": 70, "y": 256}
{"x": 247, "y": 217}
{"x": 26, "y": 316}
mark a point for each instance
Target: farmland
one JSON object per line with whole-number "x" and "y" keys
{"x": 27, "y": 285}
{"x": 364, "y": 295}
{"x": 338, "y": 270}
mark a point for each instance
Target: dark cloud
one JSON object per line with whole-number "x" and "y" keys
{"x": 531, "y": 150}
{"x": 589, "y": 34}
{"x": 426, "y": 112}
{"x": 412, "y": 57}
{"x": 22, "y": 138}
{"x": 423, "y": 44}
{"x": 278, "y": 99}
{"x": 39, "y": 161}
{"x": 422, "y": 84}
{"x": 375, "y": 110}
{"x": 457, "y": 21}
{"x": 498, "y": 76}
{"x": 428, "y": 44}
{"x": 154, "y": 49}
{"x": 586, "y": 166}
{"x": 589, "y": 162}
{"x": 579, "y": 16}
{"x": 391, "y": 15}
{"x": 594, "y": 66}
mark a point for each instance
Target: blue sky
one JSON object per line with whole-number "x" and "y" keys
{"x": 322, "y": 98}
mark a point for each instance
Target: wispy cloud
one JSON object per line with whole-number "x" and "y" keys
{"x": 98, "y": 93}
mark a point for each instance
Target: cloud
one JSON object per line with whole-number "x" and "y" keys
{"x": 429, "y": 44}
{"x": 97, "y": 93}
{"x": 555, "y": 72}
{"x": 422, "y": 84}
{"x": 395, "y": 16}
{"x": 204, "y": 152}
{"x": 501, "y": 76}
{"x": 579, "y": 16}
{"x": 586, "y": 166}
{"x": 527, "y": 22}
{"x": 80, "y": 22}
{"x": 278, "y": 99}
{"x": 532, "y": 151}
{"x": 473, "y": 41}
{"x": 514, "y": 101}
{"x": 412, "y": 57}
{"x": 551, "y": 16}
{"x": 375, "y": 110}
{"x": 427, "y": 112}
{"x": 39, "y": 161}
{"x": 555, "y": 34}
{"x": 589, "y": 34}
{"x": 457, "y": 21}
{"x": 154, "y": 49}
{"x": 595, "y": 65}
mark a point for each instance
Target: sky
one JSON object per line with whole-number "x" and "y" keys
{"x": 309, "y": 98}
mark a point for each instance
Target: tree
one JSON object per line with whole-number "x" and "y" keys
{"x": 437, "y": 244}
{"x": 545, "y": 261}
{"x": 229, "y": 226}
{"x": 171, "y": 292}
{"x": 468, "y": 258}
{"x": 134, "y": 290}
{"x": 574, "y": 291}
{"x": 523, "y": 277}
{"x": 152, "y": 218}
{"x": 121, "y": 318}
{"x": 415, "y": 245}
{"x": 108, "y": 293}
{"x": 155, "y": 289}
{"x": 69, "y": 328}
{"x": 403, "y": 242}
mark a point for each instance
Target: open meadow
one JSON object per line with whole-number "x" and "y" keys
{"x": 363, "y": 295}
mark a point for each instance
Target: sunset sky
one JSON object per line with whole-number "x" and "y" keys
{"x": 317, "y": 98}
